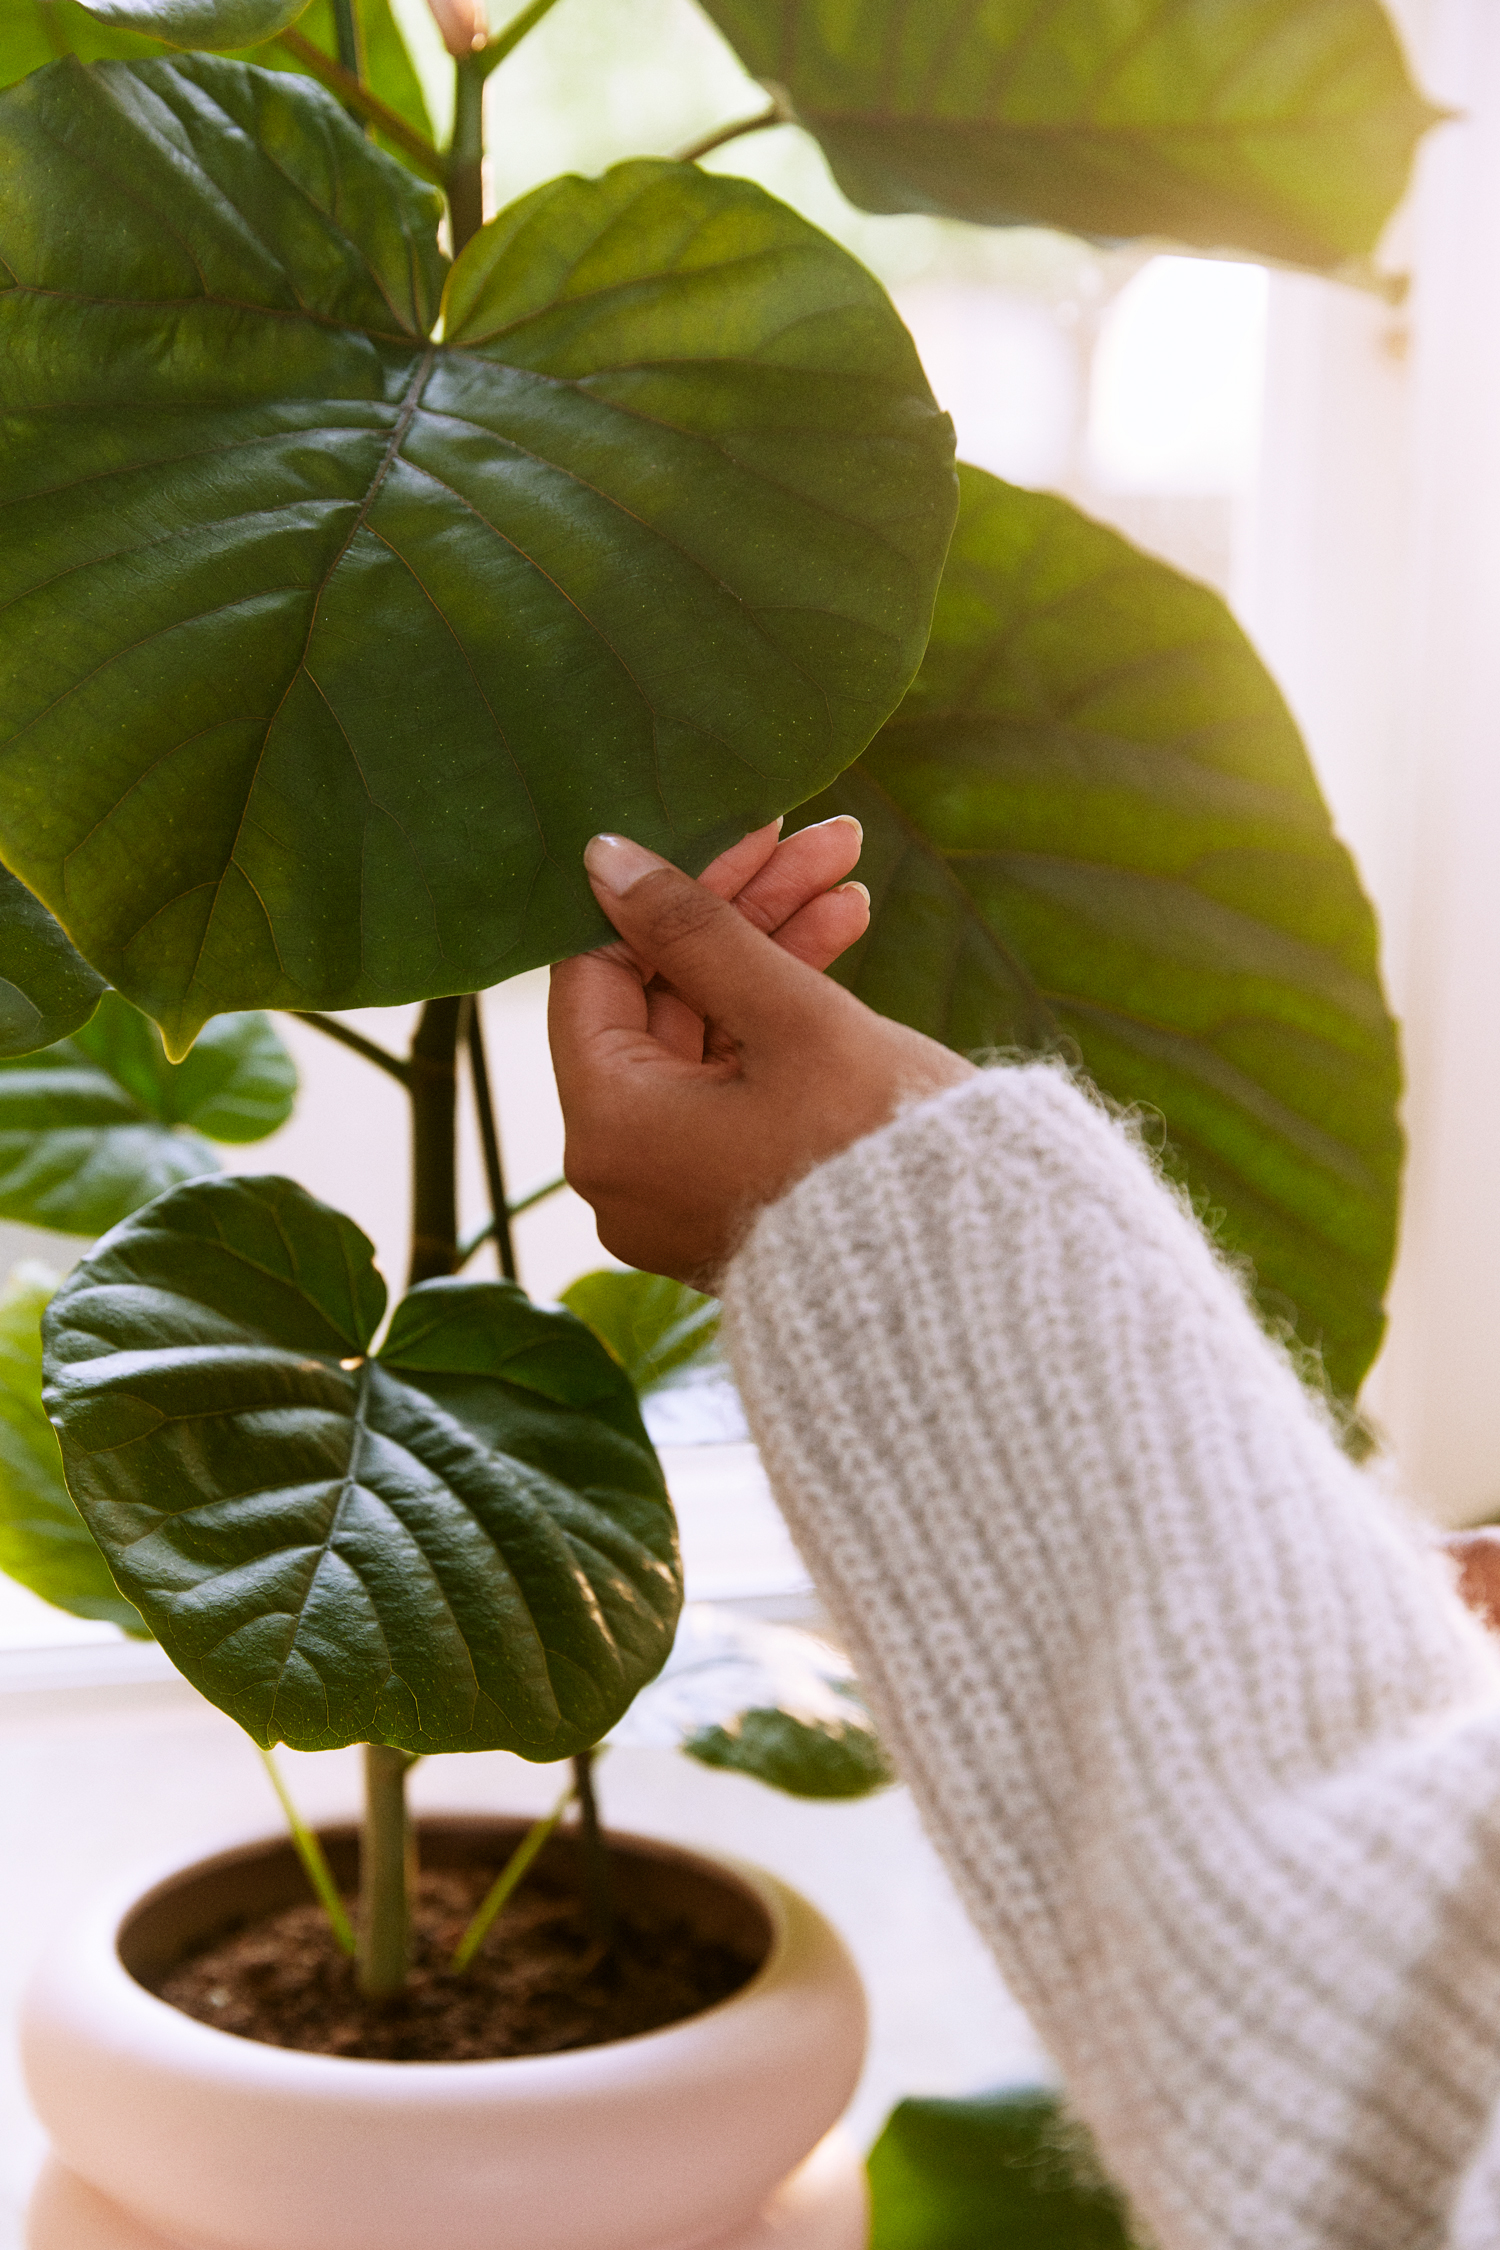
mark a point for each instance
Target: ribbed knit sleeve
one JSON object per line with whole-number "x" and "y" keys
{"x": 1193, "y": 1714}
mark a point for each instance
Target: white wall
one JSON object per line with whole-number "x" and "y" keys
{"x": 1372, "y": 586}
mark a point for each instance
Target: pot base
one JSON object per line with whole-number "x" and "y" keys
{"x": 823, "y": 2205}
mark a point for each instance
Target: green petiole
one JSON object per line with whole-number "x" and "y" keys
{"x": 506, "y": 1881}
{"x": 314, "y": 1861}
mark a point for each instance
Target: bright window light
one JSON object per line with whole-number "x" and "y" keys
{"x": 1005, "y": 371}
{"x": 1175, "y": 400}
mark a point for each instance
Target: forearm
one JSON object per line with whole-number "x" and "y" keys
{"x": 1200, "y": 1728}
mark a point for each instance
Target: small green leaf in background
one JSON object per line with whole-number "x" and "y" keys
{"x": 771, "y": 1701}
{"x": 94, "y": 1127}
{"x": 44, "y": 1542}
{"x": 1003, "y": 2171}
{"x": 47, "y": 989}
{"x": 463, "y": 1543}
{"x": 649, "y": 540}
{"x": 1283, "y": 131}
{"x": 661, "y": 1332}
{"x": 1092, "y": 825}
{"x": 218, "y": 25}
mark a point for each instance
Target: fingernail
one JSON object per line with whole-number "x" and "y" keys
{"x": 617, "y": 865}
{"x": 849, "y": 821}
{"x": 864, "y": 894}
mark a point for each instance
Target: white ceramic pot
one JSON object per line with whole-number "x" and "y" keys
{"x": 713, "y": 2132}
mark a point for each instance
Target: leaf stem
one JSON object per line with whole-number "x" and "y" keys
{"x": 432, "y": 1067}
{"x": 481, "y": 1235}
{"x": 314, "y": 1861}
{"x": 492, "y": 56}
{"x": 484, "y": 1105}
{"x": 387, "y": 1874}
{"x": 465, "y": 176}
{"x": 499, "y": 1893}
{"x": 763, "y": 118}
{"x": 351, "y": 45}
{"x": 331, "y": 1028}
{"x": 598, "y": 1903}
{"x": 418, "y": 151}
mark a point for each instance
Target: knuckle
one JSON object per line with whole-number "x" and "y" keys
{"x": 683, "y": 914}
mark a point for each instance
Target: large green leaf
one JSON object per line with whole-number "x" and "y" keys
{"x": 661, "y": 1332}
{"x": 46, "y": 988}
{"x": 463, "y": 1543}
{"x": 44, "y": 1542}
{"x": 1092, "y": 825}
{"x": 1284, "y": 131}
{"x": 332, "y": 647}
{"x": 36, "y": 32}
{"x": 765, "y": 1700}
{"x": 220, "y": 25}
{"x": 94, "y": 1127}
{"x": 1004, "y": 2171}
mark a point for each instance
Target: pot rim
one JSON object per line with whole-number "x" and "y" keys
{"x": 92, "y": 1942}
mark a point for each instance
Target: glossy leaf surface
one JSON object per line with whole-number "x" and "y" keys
{"x": 764, "y": 1700}
{"x": 1286, "y": 132}
{"x": 1092, "y": 825}
{"x": 218, "y": 25}
{"x": 463, "y": 1543}
{"x": 36, "y": 32}
{"x": 660, "y": 1331}
{"x": 1003, "y": 2171}
{"x": 44, "y": 1542}
{"x": 47, "y": 989}
{"x": 333, "y": 647}
{"x": 92, "y": 1128}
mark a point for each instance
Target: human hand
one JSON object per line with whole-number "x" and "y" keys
{"x": 684, "y": 1119}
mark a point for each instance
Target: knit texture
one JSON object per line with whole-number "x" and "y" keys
{"x": 1193, "y": 1715}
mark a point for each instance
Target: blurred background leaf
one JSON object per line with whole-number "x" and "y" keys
{"x": 1002, "y": 2171}
{"x": 44, "y": 1541}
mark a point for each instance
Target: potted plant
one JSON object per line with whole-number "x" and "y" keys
{"x": 350, "y": 590}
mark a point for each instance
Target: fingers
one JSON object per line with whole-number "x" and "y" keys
{"x": 728, "y": 875}
{"x": 703, "y": 947}
{"x": 798, "y": 870}
{"x": 827, "y": 926}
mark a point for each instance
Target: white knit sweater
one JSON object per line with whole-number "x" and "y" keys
{"x": 1194, "y": 1717}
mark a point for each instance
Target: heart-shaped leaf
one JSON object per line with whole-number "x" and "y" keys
{"x": 765, "y": 1700}
{"x": 463, "y": 1543}
{"x": 218, "y": 25}
{"x": 92, "y": 1128}
{"x": 47, "y": 989}
{"x": 1286, "y": 132}
{"x": 1092, "y": 825}
{"x": 37, "y": 32}
{"x": 1009, "y": 2168}
{"x": 334, "y": 645}
{"x": 44, "y": 1542}
{"x": 661, "y": 1332}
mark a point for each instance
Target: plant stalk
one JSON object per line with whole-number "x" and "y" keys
{"x": 598, "y": 1901}
{"x": 759, "y": 123}
{"x": 489, "y": 1137}
{"x": 506, "y": 41}
{"x": 432, "y": 1065}
{"x": 418, "y": 151}
{"x": 387, "y": 1874}
{"x": 506, "y": 1882}
{"x": 314, "y": 1861}
{"x": 331, "y": 1028}
{"x": 465, "y": 181}
{"x": 351, "y": 46}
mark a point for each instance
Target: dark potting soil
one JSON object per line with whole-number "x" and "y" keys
{"x": 540, "y": 1983}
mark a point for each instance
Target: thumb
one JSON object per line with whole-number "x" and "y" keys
{"x": 699, "y": 943}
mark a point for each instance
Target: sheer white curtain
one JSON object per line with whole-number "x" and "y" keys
{"x": 1372, "y": 586}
